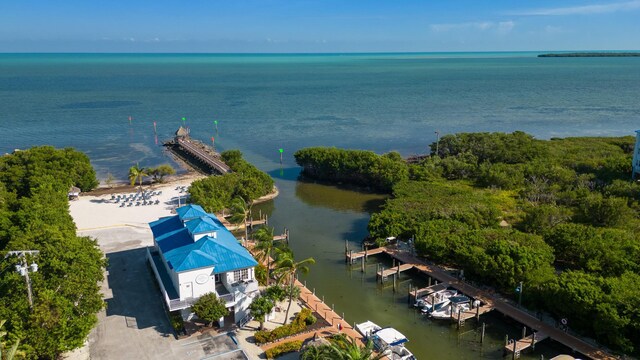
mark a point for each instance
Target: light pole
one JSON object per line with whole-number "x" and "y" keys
{"x": 437, "y": 142}
{"x": 24, "y": 268}
{"x": 519, "y": 291}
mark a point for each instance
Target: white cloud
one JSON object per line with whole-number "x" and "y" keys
{"x": 582, "y": 10}
{"x": 505, "y": 26}
{"x": 501, "y": 27}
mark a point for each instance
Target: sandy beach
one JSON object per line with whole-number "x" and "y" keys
{"x": 93, "y": 212}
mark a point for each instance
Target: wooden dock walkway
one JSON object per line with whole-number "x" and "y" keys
{"x": 202, "y": 156}
{"x": 491, "y": 300}
{"x": 474, "y": 313}
{"x": 352, "y": 257}
{"x": 384, "y": 273}
{"x": 526, "y": 342}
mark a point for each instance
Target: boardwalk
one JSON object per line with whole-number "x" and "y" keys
{"x": 502, "y": 306}
{"x": 324, "y": 311}
{"x": 202, "y": 156}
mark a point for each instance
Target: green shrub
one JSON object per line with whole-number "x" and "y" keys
{"x": 176, "y": 321}
{"x": 310, "y": 320}
{"x": 287, "y": 347}
{"x": 297, "y": 325}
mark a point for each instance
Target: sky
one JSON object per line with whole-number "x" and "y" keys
{"x": 274, "y": 26}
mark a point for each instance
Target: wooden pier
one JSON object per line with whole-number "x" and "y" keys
{"x": 284, "y": 236}
{"x": 492, "y": 302}
{"x": 426, "y": 291}
{"x": 383, "y": 274}
{"x": 205, "y": 158}
{"x": 353, "y": 257}
{"x": 515, "y": 347}
{"x": 474, "y": 313}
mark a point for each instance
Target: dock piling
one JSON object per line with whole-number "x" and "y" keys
{"x": 409, "y": 295}
{"x": 533, "y": 341}
{"x": 363, "y": 267}
{"x": 524, "y": 332}
{"x": 482, "y": 333}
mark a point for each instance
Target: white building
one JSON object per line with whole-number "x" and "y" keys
{"x": 636, "y": 157}
{"x": 194, "y": 254}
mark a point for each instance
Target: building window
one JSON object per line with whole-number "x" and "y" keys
{"x": 240, "y": 275}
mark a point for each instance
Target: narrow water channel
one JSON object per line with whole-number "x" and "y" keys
{"x": 320, "y": 219}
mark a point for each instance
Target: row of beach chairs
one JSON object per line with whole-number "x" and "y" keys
{"x": 143, "y": 203}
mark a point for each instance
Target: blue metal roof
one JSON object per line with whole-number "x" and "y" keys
{"x": 223, "y": 254}
{"x": 175, "y": 241}
{"x": 190, "y": 211}
{"x": 203, "y": 224}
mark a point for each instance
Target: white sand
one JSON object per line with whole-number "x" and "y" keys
{"x": 100, "y": 212}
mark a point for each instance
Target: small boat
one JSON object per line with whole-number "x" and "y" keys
{"x": 388, "y": 341}
{"x": 456, "y": 304}
{"x": 432, "y": 290}
{"x": 438, "y": 300}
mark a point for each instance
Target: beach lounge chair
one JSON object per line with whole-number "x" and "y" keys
{"x": 122, "y": 204}
{"x": 129, "y": 205}
{"x": 157, "y": 202}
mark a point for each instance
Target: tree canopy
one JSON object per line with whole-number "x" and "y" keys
{"x": 34, "y": 215}
{"x": 218, "y": 192}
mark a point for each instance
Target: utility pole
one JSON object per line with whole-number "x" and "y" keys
{"x": 437, "y": 142}
{"x": 24, "y": 268}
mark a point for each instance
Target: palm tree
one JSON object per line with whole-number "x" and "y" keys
{"x": 136, "y": 173}
{"x": 319, "y": 352}
{"x": 265, "y": 247}
{"x": 351, "y": 350}
{"x": 286, "y": 270}
{"x": 239, "y": 214}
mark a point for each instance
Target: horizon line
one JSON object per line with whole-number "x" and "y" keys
{"x": 304, "y": 53}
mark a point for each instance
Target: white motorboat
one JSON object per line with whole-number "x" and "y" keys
{"x": 437, "y": 300}
{"x": 455, "y": 305}
{"x": 388, "y": 341}
{"x": 432, "y": 290}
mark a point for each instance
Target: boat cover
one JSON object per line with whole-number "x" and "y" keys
{"x": 391, "y": 336}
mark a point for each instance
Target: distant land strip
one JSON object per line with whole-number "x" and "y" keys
{"x": 592, "y": 54}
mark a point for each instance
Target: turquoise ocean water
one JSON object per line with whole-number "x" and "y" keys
{"x": 380, "y": 102}
{"x": 264, "y": 102}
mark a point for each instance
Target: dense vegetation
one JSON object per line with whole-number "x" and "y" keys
{"x": 217, "y": 192}
{"x": 561, "y": 216}
{"x": 363, "y": 168}
{"x": 34, "y": 215}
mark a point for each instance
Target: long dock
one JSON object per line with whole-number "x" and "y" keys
{"x": 207, "y": 159}
{"x": 492, "y": 301}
